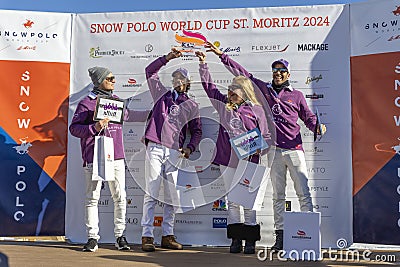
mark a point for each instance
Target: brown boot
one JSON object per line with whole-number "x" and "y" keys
{"x": 148, "y": 244}
{"x": 170, "y": 242}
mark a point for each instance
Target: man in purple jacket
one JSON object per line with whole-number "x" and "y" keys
{"x": 287, "y": 106}
{"x": 173, "y": 114}
{"x": 84, "y": 127}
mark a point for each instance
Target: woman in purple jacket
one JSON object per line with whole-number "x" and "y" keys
{"x": 239, "y": 112}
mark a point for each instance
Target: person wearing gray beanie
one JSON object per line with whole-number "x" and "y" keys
{"x": 98, "y": 74}
{"x": 85, "y": 127}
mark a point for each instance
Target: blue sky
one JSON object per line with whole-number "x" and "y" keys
{"x": 94, "y": 6}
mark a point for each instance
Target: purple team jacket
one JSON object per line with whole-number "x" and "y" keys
{"x": 83, "y": 127}
{"x": 232, "y": 122}
{"x": 172, "y": 115}
{"x": 286, "y": 107}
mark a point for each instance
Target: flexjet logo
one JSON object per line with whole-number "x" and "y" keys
{"x": 269, "y": 48}
{"x": 312, "y": 47}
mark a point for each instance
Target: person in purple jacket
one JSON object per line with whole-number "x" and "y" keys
{"x": 84, "y": 127}
{"x": 173, "y": 114}
{"x": 239, "y": 112}
{"x": 287, "y": 106}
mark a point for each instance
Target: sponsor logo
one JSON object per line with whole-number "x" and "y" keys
{"x": 189, "y": 41}
{"x": 22, "y": 149}
{"x": 318, "y": 188}
{"x": 28, "y": 24}
{"x": 130, "y": 220}
{"x": 316, "y": 170}
{"x": 229, "y": 50}
{"x": 132, "y": 83}
{"x": 157, "y": 221}
{"x": 268, "y": 48}
{"x": 130, "y": 204}
{"x": 288, "y": 205}
{"x": 315, "y": 96}
{"x": 198, "y": 168}
{"x": 223, "y": 81}
{"x": 182, "y": 221}
{"x": 96, "y": 52}
{"x": 103, "y": 202}
{"x": 396, "y": 148}
{"x": 132, "y": 150}
{"x": 319, "y": 207}
{"x": 312, "y": 47}
{"x": 130, "y": 135}
{"x": 396, "y": 12}
{"x": 217, "y": 186}
{"x": 26, "y": 47}
{"x": 245, "y": 182}
{"x": 314, "y": 150}
{"x": 148, "y": 48}
{"x": 314, "y": 78}
{"x": 219, "y": 205}
{"x": 385, "y": 26}
{"x": 220, "y": 222}
{"x": 25, "y": 33}
{"x": 215, "y": 169}
{"x": 300, "y": 234}
{"x": 136, "y": 169}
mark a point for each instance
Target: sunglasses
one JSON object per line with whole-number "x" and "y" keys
{"x": 233, "y": 87}
{"x": 275, "y": 70}
{"x": 110, "y": 79}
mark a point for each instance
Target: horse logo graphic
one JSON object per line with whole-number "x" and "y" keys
{"x": 23, "y": 147}
{"x": 397, "y": 11}
{"x": 397, "y": 148}
{"x": 28, "y": 23}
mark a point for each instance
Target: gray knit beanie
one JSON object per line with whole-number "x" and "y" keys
{"x": 98, "y": 74}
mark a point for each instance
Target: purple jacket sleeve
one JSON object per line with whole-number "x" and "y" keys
{"x": 79, "y": 126}
{"x": 211, "y": 89}
{"x": 157, "y": 89}
{"x": 306, "y": 115}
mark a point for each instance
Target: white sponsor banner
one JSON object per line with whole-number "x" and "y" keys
{"x": 312, "y": 38}
{"x": 375, "y": 27}
{"x": 35, "y": 36}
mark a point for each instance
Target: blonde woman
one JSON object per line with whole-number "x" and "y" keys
{"x": 239, "y": 111}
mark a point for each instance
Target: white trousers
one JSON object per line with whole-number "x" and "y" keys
{"x": 160, "y": 167}
{"x": 234, "y": 209}
{"x": 294, "y": 161}
{"x": 118, "y": 193}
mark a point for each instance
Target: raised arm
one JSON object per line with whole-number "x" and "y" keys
{"x": 208, "y": 84}
{"x": 234, "y": 67}
{"x": 157, "y": 89}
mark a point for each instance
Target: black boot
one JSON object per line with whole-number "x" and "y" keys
{"x": 236, "y": 246}
{"x": 278, "y": 241}
{"x": 236, "y": 232}
{"x": 252, "y": 235}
